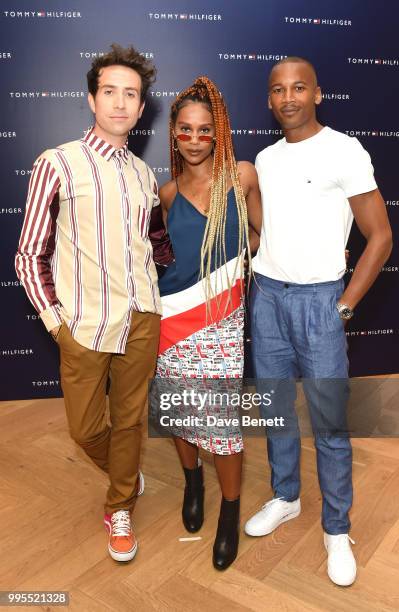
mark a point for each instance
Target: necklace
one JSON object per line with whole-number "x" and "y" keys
{"x": 197, "y": 197}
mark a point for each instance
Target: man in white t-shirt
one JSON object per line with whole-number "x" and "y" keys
{"x": 313, "y": 183}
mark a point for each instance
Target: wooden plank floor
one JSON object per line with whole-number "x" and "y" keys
{"x": 52, "y": 536}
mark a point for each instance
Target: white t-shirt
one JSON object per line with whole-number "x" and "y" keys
{"x": 306, "y": 214}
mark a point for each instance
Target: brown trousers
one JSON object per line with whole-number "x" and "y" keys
{"x": 84, "y": 376}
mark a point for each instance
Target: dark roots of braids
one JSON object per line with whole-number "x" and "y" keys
{"x": 224, "y": 165}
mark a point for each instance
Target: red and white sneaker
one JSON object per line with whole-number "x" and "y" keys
{"x": 122, "y": 544}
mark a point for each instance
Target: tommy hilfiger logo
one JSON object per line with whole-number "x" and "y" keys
{"x": 16, "y": 352}
{"x": 42, "y": 14}
{"x": 5, "y": 55}
{"x": 392, "y": 202}
{"x": 185, "y": 17}
{"x": 383, "y": 269}
{"x": 35, "y": 95}
{"x": 373, "y": 61}
{"x": 45, "y": 383}
{"x": 380, "y": 133}
{"x": 335, "y": 96}
{"x": 160, "y": 170}
{"x": 94, "y": 54}
{"x": 11, "y": 283}
{"x": 5, "y": 134}
{"x": 132, "y": 132}
{"x": 318, "y": 21}
{"x": 371, "y": 332}
{"x": 260, "y": 57}
{"x": 256, "y": 132}
{"x": 164, "y": 94}
{"x": 135, "y": 132}
{"x": 10, "y": 211}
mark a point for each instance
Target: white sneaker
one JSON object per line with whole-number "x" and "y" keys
{"x": 341, "y": 565}
{"x": 273, "y": 513}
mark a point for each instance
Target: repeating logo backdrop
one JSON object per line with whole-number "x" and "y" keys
{"x": 46, "y": 49}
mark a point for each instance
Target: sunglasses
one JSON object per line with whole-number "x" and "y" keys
{"x": 188, "y": 137}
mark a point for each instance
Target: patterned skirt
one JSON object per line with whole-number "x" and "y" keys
{"x": 201, "y": 357}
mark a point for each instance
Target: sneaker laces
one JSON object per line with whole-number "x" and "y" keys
{"x": 271, "y": 501}
{"x": 121, "y": 525}
{"x": 340, "y": 542}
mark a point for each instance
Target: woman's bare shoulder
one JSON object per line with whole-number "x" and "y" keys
{"x": 247, "y": 173}
{"x": 245, "y": 167}
{"x": 167, "y": 193}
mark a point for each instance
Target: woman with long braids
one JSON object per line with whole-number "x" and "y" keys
{"x": 206, "y": 207}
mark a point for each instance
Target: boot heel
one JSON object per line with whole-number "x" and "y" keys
{"x": 225, "y": 547}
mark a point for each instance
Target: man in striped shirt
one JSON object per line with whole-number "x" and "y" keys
{"x": 86, "y": 262}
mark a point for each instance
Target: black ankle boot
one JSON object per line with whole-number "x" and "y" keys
{"x": 226, "y": 542}
{"x": 193, "y": 502}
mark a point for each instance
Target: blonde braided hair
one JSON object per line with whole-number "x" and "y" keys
{"x": 224, "y": 164}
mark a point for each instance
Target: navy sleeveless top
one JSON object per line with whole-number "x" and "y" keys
{"x": 186, "y": 227}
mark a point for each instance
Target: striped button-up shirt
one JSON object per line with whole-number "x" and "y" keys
{"x": 84, "y": 255}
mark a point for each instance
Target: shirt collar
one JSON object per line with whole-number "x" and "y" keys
{"x": 104, "y": 148}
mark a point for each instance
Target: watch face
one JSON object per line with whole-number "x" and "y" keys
{"x": 346, "y": 313}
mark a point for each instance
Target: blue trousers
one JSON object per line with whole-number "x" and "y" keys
{"x": 296, "y": 331}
